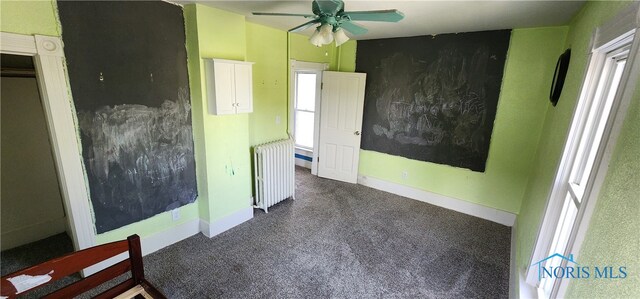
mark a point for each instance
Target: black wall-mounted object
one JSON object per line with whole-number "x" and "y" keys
{"x": 433, "y": 98}
{"x": 562, "y": 66}
{"x": 127, "y": 65}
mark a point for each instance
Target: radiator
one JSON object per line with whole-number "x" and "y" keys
{"x": 274, "y": 172}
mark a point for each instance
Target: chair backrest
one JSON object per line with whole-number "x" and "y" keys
{"x": 31, "y": 278}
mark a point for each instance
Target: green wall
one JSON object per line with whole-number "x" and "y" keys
{"x": 29, "y": 17}
{"x": 267, "y": 47}
{"x": 221, "y": 34}
{"x": 346, "y": 57}
{"x": 300, "y": 49}
{"x": 602, "y": 233}
{"x": 517, "y": 127}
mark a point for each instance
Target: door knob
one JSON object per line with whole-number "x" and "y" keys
{"x": 356, "y": 133}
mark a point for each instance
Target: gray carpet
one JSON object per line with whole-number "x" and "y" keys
{"x": 338, "y": 240}
{"x": 15, "y": 259}
{"x": 341, "y": 241}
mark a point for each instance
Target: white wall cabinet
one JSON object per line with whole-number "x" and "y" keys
{"x": 229, "y": 86}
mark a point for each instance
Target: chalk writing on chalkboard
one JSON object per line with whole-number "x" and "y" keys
{"x": 433, "y": 98}
{"x": 127, "y": 65}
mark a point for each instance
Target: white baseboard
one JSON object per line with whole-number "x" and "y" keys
{"x": 526, "y": 291}
{"x": 170, "y": 236}
{"x": 153, "y": 243}
{"x": 303, "y": 163}
{"x": 176, "y": 234}
{"x": 473, "y": 209}
{"x": 225, "y": 223}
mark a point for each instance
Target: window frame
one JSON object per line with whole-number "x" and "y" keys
{"x": 607, "y": 38}
{"x": 318, "y": 68}
{"x": 295, "y": 103}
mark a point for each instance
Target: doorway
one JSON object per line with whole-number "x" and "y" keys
{"x": 34, "y": 224}
{"x": 306, "y": 85}
{"x": 45, "y": 52}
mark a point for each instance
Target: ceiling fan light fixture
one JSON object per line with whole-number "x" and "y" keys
{"x": 340, "y": 37}
{"x": 316, "y": 38}
{"x": 326, "y": 32}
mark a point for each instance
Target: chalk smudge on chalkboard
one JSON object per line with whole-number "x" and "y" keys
{"x": 449, "y": 94}
{"x": 433, "y": 99}
{"x": 139, "y": 159}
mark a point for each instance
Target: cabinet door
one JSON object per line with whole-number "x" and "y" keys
{"x": 243, "y": 88}
{"x": 224, "y": 88}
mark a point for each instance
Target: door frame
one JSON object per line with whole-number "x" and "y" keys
{"x": 61, "y": 122}
{"x": 311, "y": 67}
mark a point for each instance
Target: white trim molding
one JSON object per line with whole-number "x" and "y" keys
{"x": 317, "y": 68}
{"x": 18, "y": 44}
{"x": 153, "y": 243}
{"x": 170, "y": 236}
{"x": 473, "y": 209}
{"x": 60, "y": 117}
{"x": 225, "y": 223}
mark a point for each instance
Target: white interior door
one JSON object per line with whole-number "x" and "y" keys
{"x": 340, "y": 125}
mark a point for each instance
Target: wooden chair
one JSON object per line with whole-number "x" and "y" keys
{"x": 136, "y": 286}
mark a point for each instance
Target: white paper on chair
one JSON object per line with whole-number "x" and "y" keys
{"x": 26, "y": 282}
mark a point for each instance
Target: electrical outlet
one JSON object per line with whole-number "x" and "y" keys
{"x": 405, "y": 175}
{"x": 175, "y": 214}
{"x": 278, "y": 120}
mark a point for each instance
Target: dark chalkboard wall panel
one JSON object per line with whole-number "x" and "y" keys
{"x": 433, "y": 98}
{"x": 127, "y": 67}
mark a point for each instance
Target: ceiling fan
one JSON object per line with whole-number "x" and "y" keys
{"x": 332, "y": 19}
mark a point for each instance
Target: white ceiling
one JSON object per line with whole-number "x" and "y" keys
{"x": 421, "y": 17}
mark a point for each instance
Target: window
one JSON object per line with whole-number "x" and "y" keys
{"x": 575, "y": 185}
{"x": 304, "y": 109}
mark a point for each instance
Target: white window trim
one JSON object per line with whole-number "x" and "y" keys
{"x": 61, "y": 122}
{"x": 315, "y": 68}
{"x": 625, "y": 24}
{"x": 294, "y": 101}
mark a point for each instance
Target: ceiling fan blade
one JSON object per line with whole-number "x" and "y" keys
{"x": 354, "y": 28}
{"x": 391, "y": 15}
{"x": 304, "y": 26}
{"x": 331, "y": 7}
{"x": 283, "y": 14}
